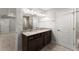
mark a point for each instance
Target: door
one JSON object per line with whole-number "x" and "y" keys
{"x": 65, "y": 32}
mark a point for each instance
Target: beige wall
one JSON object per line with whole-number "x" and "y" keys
{"x": 47, "y": 21}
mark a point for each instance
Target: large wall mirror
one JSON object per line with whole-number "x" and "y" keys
{"x": 27, "y": 22}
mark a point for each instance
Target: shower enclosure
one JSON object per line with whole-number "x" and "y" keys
{"x": 7, "y": 29}
{"x": 7, "y": 20}
{"x": 7, "y": 25}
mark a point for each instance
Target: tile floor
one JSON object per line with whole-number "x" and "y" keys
{"x": 55, "y": 47}
{"x": 8, "y": 42}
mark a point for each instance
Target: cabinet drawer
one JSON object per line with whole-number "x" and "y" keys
{"x": 34, "y": 36}
{"x": 30, "y": 38}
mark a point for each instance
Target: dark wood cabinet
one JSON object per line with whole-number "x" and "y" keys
{"x": 32, "y": 45}
{"x": 35, "y": 42}
{"x": 47, "y": 37}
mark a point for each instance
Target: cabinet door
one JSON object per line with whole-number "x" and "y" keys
{"x": 36, "y": 43}
{"x": 32, "y": 45}
{"x": 24, "y": 43}
{"x": 39, "y": 44}
{"x": 47, "y": 37}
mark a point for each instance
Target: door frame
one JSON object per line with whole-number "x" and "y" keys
{"x": 75, "y": 17}
{"x": 74, "y": 28}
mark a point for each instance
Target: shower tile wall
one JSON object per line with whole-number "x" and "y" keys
{"x": 4, "y": 25}
{"x": 7, "y": 25}
{"x": 12, "y": 25}
{"x": 2, "y": 12}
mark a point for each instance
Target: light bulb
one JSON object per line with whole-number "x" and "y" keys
{"x": 35, "y": 12}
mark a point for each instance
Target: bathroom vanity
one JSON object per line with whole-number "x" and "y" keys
{"x": 35, "y": 40}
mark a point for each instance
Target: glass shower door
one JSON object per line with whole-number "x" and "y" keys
{"x": 4, "y": 26}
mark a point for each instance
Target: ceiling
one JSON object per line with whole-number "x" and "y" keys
{"x": 56, "y": 9}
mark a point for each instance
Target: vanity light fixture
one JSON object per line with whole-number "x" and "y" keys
{"x": 32, "y": 12}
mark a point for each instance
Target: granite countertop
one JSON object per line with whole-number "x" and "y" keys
{"x": 35, "y": 31}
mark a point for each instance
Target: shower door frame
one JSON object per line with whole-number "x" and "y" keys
{"x": 75, "y": 28}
